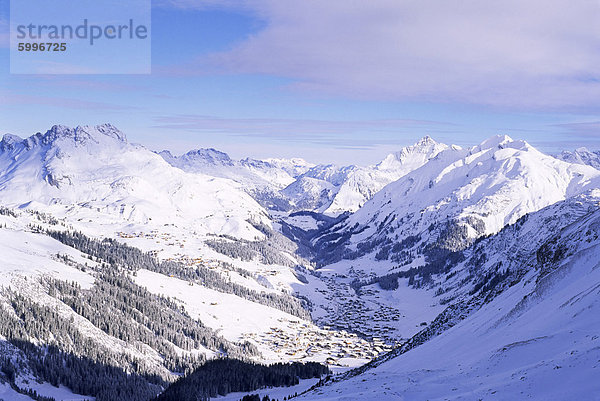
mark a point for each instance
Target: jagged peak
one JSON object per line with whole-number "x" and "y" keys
{"x": 202, "y": 156}
{"x": 165, "y": 152}
{"x": 294, "y": 160}
{"x": 248, "y": 161}
{"x": 495, "y": 141}
{"x": 581, "y": 155}
{"x": 582, "y": 151}
{"x": 106, "y": 129}
{"x": 82, "y": 133}
{"x": 9, "y": 140}
{"x": 425, "y": 144}
{"x": 166, "y": 155}
{"x": 426, "y": 147}
{"x": 294, "y": 166}
{"x": 425, "y": 141}
{"x": 202, "y": 151}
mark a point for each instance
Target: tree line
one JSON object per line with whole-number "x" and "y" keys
{"x": 223, "y": 376}
{"x": 116, "y": 253}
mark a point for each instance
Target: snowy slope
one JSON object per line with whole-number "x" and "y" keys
{"x": 294, "y": 166}
{"x": 457, "y": 196}
{"x": 315, "y": 189}
{"x": 363, "y": 183}
{"x": 93, "y": 171}
{"x": 262, "y": 179}
{"x": 294, "y": 184}
{"x": 256, "y": 173}
{"x": 333, "y": 190}
{"x": 309, "y": 193}
{"x": 533, "y": 334}
{"x": 581, "y": 156}
{"x": 29, "y": 261}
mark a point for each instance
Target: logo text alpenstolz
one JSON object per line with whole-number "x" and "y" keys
{"x": 83, "y": 31}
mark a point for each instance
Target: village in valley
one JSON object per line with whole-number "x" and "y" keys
{"x": 307, "y": 342}
{"x": 346, "y": 343}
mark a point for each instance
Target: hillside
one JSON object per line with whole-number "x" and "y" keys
{"x": 527, "y": 330}
{"x": 458, "y": 196}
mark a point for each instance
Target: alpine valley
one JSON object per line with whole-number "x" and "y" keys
{"x": 439, "y": 273}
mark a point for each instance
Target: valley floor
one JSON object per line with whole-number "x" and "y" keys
{"x": 544, "y": 346}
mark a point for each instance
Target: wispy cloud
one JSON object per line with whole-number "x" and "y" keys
{"x": 85, "y": 82}
{"x": 586, "y": 129}
{"x": 322, "y": 132}
{"x": 8, "y": 98}
{"x": 202, "y": 4}
{"x": 539, "y": 54}
{"x": 568, "y": 136}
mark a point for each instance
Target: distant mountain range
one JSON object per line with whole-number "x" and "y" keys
{"x": 440, "y": 272}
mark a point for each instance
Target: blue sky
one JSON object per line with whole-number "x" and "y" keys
{"x": 336, "y": 81}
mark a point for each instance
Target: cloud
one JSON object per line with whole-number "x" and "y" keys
{"x": 587, "y": 129}
{"x": 8, "y": 98}
{"x": 578, "y": 134}
{"x": 347, "y": 134}
{"x": 84, "y": 82}
{"x": 537, "y": 54}
{"x": 201, "y": 4}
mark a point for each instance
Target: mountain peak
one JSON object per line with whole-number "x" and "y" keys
{"x": 84, "y": 133}
{"x": 495, "y": 141}
{"x": 581, "y": 155}
{"x": 9, "y": 141}
{"x": 414, "y": 155}
{"x": 582, "y": 149}
{"x": 207, "y": 155}
{"x": 426, "y": 141}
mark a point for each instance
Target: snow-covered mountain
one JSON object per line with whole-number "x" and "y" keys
{"x": 308, "y": 193}
{"x": 316, "y": 188}
{"x": 93, "y": 171}
{"x": 256, "y": 173}
{"x": 296, "y": 185}
{"x": 334, "y": 190}
{"x": 262, "y": 179}
{"x": 362, "y": 184}
{"x": 485, "y": 256}
{"x": 521, "y": 321}
{"x": 294, "y": 166}
{"x": 457, "y": 196}
{"x": 581, "y": 156}
{"x": 197, "y": 239}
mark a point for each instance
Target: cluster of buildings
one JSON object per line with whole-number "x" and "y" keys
{"x": 304, "y": 341}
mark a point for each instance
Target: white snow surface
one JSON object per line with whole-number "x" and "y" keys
{"x": 538, "y": 339}
{"x": 493, "y": 183}
{"x": 363, "y": 183}
{"x": 60, "y": 393}
{"x": 581, "y": 156}
{"x": 25, "y": 254}
{"x": 334, "y": 190}
{"x": 273, "y": 392}
{"x": 534, "y": 336}
{"x": 257, "y": 174}
{"x": 228, "y": 314}
{"x": 68, "y": 171}
{"x": 8, "y": 394}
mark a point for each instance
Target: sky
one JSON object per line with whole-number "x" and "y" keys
{"x": 337, "y": 81}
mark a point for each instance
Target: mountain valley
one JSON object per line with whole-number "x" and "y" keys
{"x": 441, "y": 272}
